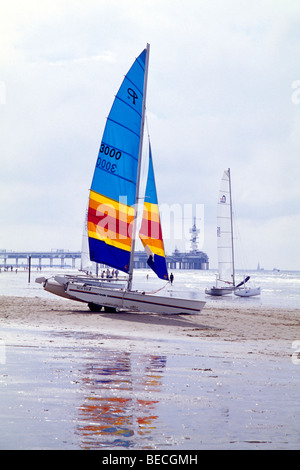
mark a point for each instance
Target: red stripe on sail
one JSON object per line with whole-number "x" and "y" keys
{"x": 151, "y": 230}
{"x": 120, "y": 229}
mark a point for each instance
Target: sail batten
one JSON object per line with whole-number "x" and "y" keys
{"x": 121, "y": 177}
{"x": 125, "y": 127}
{"x": 128, "y": 104}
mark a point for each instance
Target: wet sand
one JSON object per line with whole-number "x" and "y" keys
{"x": 223, "y": 379}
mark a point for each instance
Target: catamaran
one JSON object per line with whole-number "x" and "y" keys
{"x": 225, "y": 281}
{"x": 111, "y": 222}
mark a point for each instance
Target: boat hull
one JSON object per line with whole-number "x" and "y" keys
{"x": 54, "y": 287}
{"x": 248, "y": 292}
{"x": 133, "y": 300}
{"x": 113, "y": 297}
{"x": 219, "y": 291}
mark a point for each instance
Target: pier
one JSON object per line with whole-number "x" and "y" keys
{"x": 194, "y": 259}
{"x": 178, "y": 260}
{"x": 67, "y": 259}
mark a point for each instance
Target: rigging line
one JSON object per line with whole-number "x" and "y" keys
{"x": 147, "y": 125}
{"x": 161, "y": 288}
{"x": 240, "y": 246}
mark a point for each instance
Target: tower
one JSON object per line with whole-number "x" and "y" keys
{"x": 194, "y": 237}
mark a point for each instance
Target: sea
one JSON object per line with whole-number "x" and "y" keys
{"x": 85, "y": 390}
{"x": 278, "y": 288}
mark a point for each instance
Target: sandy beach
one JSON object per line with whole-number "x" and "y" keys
{"x": 72, "y": 379}
{"x": 227, "y": 323}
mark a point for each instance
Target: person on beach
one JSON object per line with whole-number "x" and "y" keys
{"x": 171, "y": 278}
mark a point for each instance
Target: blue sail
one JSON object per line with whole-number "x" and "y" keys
{"x": 113, "y": 189}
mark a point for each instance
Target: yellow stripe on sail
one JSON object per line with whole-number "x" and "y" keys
{"x": 109, "y": 237}
{"x": 156, "y": 246}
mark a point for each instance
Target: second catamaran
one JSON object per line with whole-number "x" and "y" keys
{"x": 225, "y": 281}
{"x": 113, "y": 206}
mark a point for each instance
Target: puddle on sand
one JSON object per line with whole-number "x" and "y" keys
{"x": 84, "y": 398}
{"x": 121, "y": 394}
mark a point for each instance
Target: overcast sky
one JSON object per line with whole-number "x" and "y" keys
{"x": 223, "y": 91}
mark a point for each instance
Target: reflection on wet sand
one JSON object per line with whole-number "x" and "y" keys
{"x": 120, "y": 403}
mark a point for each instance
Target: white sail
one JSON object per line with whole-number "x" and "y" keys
{"x": 226, "y": 276}
{"x": 224, "y": 231}
{"x": 86, "y": 264}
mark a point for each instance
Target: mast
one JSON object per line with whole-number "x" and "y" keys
{"x": 130, "y": 271}
{"x": 231, "y": 222}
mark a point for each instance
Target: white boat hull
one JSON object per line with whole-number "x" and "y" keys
{"x": 247, "y": 292}
{"x": 116, "y": 298}
{"x": 51, "y": 285}
{"x": 219, "y": 291}
{"x": 133, "y": 300}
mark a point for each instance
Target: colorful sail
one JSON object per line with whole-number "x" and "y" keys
{"x": 112, "y": 196}
{"x": 150, "y": 232}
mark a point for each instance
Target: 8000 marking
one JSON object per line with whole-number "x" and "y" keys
{"x": 108, "y": 151}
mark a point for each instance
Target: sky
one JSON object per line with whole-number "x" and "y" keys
{"x": 223, "y": 92}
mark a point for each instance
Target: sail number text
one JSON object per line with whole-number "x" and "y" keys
{"x": 113, "y": 153}
{"x": 107, "y": 164}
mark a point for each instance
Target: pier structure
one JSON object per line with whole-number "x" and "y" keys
{"x": 60, "y": 258}
{"x": 21, "y": 258}
{"x": 178, "y": 260}
{"x": 194, "y": 259}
